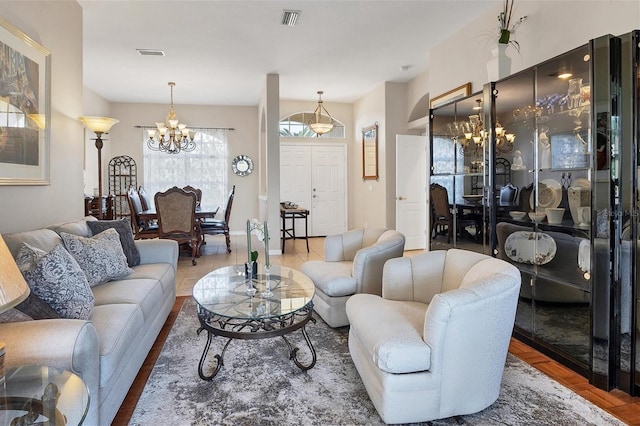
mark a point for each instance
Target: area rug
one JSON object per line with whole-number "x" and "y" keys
{"x": 259, "y": 385}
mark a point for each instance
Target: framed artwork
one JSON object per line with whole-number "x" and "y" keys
{"x": 457, "y": 93}
{"x": 25, "y": 108}
{"x": 370, "y": 152}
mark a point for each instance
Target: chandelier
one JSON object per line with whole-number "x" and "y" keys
{"x": 171, "y": 136}
{"x": 321, "y": 123}
{"x": 472, "y": 136}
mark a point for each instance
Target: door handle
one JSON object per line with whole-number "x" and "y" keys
{"x": 400, "y": 198}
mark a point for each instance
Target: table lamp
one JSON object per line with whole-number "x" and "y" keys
{"x": 13, "y": 289}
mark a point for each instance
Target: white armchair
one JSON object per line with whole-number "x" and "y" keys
{"x": 353, "y": 263}
{"x": 435, "y": 344}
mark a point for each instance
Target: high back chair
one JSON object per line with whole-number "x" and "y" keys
{"x": 145, "y": 199}
{"x": 197, "y": 191}
{"x": 176, "y": 209}
{"x": 220, "y": 226}
{"x": 508, "y": 194}
{"x": 524, "y": 199}
{"x": 507, "y": 199}
{"x": 440, "y": 210}
{"x": 141, "y": 228}
{"x": 353, "y": 263}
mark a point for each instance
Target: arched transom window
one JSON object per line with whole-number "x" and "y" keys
{"x": 295, "y": 126}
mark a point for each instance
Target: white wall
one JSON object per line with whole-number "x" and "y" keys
{"x": 95, "y": 105}
{"x": 125, "y": 139}
{"x": 551, "y": 28}
{"x": 58, "y": 27}
{"x": 367, "y": 199}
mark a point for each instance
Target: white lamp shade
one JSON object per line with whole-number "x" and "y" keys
{"x": 321, "y": 128}
{"x": 13, "y": 287}
{"x": 98, "y": 124}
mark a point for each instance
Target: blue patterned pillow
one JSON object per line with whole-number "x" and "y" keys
{"x": 100, "y": 257}
{"x": 126, "y": 237}
{"x": 57, "y": 279}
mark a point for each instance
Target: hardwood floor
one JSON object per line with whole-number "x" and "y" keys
{"x": 618, "y": 403}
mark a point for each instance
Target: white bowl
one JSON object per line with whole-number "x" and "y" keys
{"x": 517, "y": 215}
{"x": 554, "y": 216}
{"x": 537, "y": 217}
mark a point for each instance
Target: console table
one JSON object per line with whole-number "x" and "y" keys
{"x": 290, "y": 233}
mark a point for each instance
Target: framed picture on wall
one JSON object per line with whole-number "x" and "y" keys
{"x": 370, "y": 152}
{"x": 451, "y": 95}
{"x": 25, "y": 108}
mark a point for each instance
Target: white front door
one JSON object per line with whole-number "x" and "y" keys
{"x": 295, "y": 176}
{"x": 314, "y": 177}
{"x": 328, "y": 183}
{"x": 411, "y": 190}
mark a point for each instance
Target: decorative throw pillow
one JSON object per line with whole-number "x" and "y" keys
{"x": 126, "y": 237}
{"x": 37, "y": 308}
{"x": 57, "y": 279}
{"x": 14, "y": 315}
{"x": 100, "y": 257}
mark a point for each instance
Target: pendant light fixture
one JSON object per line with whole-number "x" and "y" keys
{"x": 321, "y": 123}
{"x": 171, "y": 136}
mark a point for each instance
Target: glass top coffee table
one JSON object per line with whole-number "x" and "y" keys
{"x": 228, "y": 307}
{"x": 35, "y": 394}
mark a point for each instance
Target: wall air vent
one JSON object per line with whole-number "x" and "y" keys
{"x": 290, "y": 17}
{"x": 151, "y": 52}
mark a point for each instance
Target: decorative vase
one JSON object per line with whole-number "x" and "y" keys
{"x": 250, "y": 272}
{"x": 499, "y": 66}
{"x": 578, "y": 197}
{"x": 254, "y": 269}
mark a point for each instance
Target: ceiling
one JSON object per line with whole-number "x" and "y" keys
{"x": 218, "y": 52}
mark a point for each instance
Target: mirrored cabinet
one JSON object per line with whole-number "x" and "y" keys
{"x": 546, "y": 231}
{"x": 546, "y": 161}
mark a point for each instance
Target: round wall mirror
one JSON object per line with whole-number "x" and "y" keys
{"x": 242, "y": 165}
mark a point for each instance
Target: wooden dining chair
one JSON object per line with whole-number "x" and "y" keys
{"x": 176, "y": 209}
{"x": 507, "y": 199}
{"x": 145, "y": 199}
{"x": 220, "y": 226}
{"x": 440, "y": 210}
{"x": 198, "y": 192}
{"x": 141, "y": 229}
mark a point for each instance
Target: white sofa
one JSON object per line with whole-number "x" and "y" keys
{"x": 108, "y": 350}
{"x": 353, "y": 263}
{"x": 435, "y": 344}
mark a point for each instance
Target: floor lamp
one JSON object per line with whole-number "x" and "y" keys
{"x": 100, "y": 126}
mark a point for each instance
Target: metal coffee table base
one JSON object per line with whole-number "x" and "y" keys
{"x": 249, "y": 329}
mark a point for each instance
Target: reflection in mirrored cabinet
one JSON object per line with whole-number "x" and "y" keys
{"x": 459, "y": 143}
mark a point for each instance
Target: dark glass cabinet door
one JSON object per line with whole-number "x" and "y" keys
{"x": 459, "y": 170}
{"x": 627, "y": 292}
{"x": 546, "y": 230}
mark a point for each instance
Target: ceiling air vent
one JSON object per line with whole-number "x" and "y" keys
{"x": 290, "y": 17}
{"x": 151, "y": 52}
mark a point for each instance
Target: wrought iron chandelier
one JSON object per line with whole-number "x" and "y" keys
{"x": 171, "y": 136}
{"x": 321, "y": 123}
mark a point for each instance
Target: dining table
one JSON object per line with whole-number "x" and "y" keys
{"x": 203, "y": 212}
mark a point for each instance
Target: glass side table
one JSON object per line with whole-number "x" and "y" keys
{"x": 35, "y": 394}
